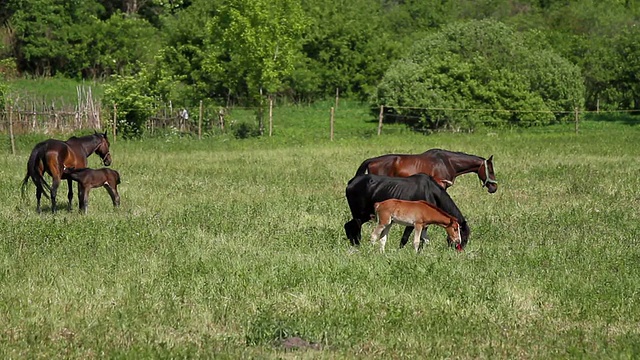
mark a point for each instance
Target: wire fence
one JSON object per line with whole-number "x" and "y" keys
{"x": 288, "y": 120}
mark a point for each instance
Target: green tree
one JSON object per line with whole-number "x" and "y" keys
{"x": 134, "y": 100}
{"x": 481, "y": 65}
{"x": 251, "y": 44}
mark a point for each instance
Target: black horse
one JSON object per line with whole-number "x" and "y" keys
{"x": 364, "y": 191}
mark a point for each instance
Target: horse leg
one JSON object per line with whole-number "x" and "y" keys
{"x": 113, "y": 192}
{"x": 83, "y": 197}
{"x": 424, "y": 237}
{"x": 70, "y": 193}
{"x": 417, "y": 239}
{"x": 54, "y": 192}
{"x": 385, "y": 233}
{"x": 405, "y": 236}
{"x": 39, "y": 191}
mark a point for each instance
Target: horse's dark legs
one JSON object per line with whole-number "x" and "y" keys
{"x": 39, "y": 191}
{"x": 54, "y": 193}
{"x": 113, "y": 192}
{"x": 70, "y": 193}
{"x": 83, "y": 198}
{"x": 407, "y": 233}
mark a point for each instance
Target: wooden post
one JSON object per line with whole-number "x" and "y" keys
{"x": 331, "y": 128}
{"x": 200, "y": 122}
{"x": 13, "y": 140}
{"x": 337, "y": 96}
{"x": 115, "y": 119}
{"x": 221, "y": 119}
{"x": 577, "y": 117}
{"x": 270, "y": 115}
{"x": 380, "y": 117}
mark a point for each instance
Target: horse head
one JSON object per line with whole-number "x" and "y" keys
{"x": 103, "y": 148}
{"x": 487, "y": 176}
{"x": 453, "y": 231}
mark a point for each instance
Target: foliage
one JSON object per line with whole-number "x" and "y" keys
{"x": 481, "y": 65}
{"x": 251, "y": 44}
{"x": 228, "y": 50}
{"x": 134, "y": 104}
{"x": 245, "y": 130}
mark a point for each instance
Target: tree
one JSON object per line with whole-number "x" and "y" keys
{"x": 481, "y": 65}
{"x": 251, "y": 44}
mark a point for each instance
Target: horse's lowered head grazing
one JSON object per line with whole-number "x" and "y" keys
{"x": 487, "y": 176}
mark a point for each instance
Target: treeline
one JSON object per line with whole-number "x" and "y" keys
{"x": 233, "y": 50}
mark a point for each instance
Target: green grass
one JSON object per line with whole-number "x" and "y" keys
{"x": 51, "y": 89}
{"x": 222, "y": 248}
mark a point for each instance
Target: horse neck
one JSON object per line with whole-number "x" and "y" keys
{"x": 88, "y": 145}
{"x": 466, "y": 163}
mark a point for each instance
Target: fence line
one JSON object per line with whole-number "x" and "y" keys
{"x": 208, "y": 118}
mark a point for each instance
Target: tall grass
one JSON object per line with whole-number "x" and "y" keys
{"x": 225, "y": 248}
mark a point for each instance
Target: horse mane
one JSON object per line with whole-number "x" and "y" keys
{"x": 438, "y": 150}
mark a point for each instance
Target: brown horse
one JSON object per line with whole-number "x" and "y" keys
{"x": 90, "y": 179}
{"x": 53, "y": 156}
{"x": 443, "y": 165}
{"x": 418, "y": 214}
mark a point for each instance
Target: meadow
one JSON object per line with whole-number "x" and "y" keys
{"x": 233, "y": 249}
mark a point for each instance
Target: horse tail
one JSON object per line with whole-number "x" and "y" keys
{"x": 364, "y": 168}
{"x": 35, "y": 159}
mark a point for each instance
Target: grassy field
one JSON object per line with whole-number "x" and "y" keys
{"x": 231, "y": 249}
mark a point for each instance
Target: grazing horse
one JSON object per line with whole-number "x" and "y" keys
{"x": 443, "y": 165}
{"x": 418, "y": 214}
{"x": 365, "y": 190}
{"x": 90, "y": 179}
{"x": 52, "y": 156}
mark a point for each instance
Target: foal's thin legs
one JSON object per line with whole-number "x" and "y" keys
{"x": 417, "y": 239}
{"x": 70, "y": 193}
{"x": 83, "y": 198}
{"x": 383, "y": 239}
{"x": 113, "y": 192}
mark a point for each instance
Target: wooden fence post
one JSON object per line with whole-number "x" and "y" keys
{"x": 200, "y": 122}
{"x": 270, "y": 115}
{"x": 221, "y": 119}
{"x": 577, "y": 117}
{"x": 380, "y": 117}
{"x": 337, "y": 96}
{"x": 13, "y": 141}
{"x": 115, "y": 119}
{"x": 331, "y": 128}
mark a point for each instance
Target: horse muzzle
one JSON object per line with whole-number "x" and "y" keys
{"x": 107, "y": 160}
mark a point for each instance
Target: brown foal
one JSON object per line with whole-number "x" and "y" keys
{"x": 94, "y": 178}
{"x": 418, "y": 214}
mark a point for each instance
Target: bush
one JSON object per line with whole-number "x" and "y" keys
{"x": 499, "y": 75}
{"x": 134, "y": 105}
{"x": 245, "y": 130}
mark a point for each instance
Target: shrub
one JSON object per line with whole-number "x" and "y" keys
{"x": 134, "y": 105}
{"x": 499, "y": 75}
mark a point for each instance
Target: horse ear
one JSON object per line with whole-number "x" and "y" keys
{"x": 490, "y": 158}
